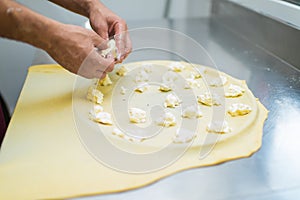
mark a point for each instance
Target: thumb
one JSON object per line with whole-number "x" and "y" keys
{"x": 99, "y": 42}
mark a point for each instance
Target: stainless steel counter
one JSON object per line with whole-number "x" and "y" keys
{"x": 272, "y": 172}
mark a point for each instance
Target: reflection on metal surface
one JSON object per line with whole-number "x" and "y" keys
{"x": 282, "y": 159}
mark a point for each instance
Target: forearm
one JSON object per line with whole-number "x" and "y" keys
{"x": 69, "y": 45}
{"x": 82, "y": 7}
{"x": 19, "y": 23}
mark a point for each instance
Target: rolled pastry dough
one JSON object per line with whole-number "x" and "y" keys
{"x": 42, "y": 156}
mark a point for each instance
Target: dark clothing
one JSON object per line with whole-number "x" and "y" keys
{"x": 4, "y": 119}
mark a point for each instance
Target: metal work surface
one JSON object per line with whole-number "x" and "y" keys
{"x": 278, "y": 37}
{"x": 272, "y": 172}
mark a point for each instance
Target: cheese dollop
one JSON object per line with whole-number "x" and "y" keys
{"x": 112, "y": 49}
{"x": 176, "y": 66}
{"x": 105, "y": 81}
{"x": 171, "y": 101}
{"x": 192, "y": 112}
{"x": 123, "y": 90}
{"x": 191, "y": 83}
{"x": 122, "y": 71}
{"x": 209, "y": 99}
{"x": 184, "y": 136}
{"x": 218, "y": 127}
{"x": 219, "y": 81}
{"x": 137, "y": 115}
{"x": 167, "y": 120}
{"x": 234, "y": 91}
{"x": 142, "y": 76}
{"x": 142, "y": 87}
{"x": 101, "y": 117}
{"x": 119, "y": 133}
{"x": 95, "y": 95}
{"x": 239, "y": 109}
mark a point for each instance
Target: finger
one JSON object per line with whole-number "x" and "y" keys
{"x": 102, "y": 30}
{"x": 128, "y": 46}
{"x": 125, "y": 46}
{"x": 94, "y": 63}
{"x": 98, "y": 42}
{"x": 111, "y": 66}
{"x": 99, "y": 25}
{"x": 122, "y": 39}
{"x": 104, "y": 64}
{"x": 117, "y": 27}
{"x": 120, "y": 46}
{"x": 100, "y": 74}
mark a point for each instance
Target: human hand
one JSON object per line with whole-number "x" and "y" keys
{"x": 76, "y": 49}
{"x": 107, "y": 25}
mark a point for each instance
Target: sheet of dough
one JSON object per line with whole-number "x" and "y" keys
{"x": 42, "y": 157}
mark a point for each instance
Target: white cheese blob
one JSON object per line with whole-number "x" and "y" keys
{"x": 209, "y": 99}
{"x": 169, "y": 77}
{"x": 112, "y": 49}
{"x": 123, "y": 90}
{"x": 142, "y": 87}
{"x": 239, "y": 109}
{"x": 176, "y": 66}
{"x": 195, "y": 75}
{"x": 147, "y": 67}
{"x": 234, "y": 91}
{"x": 165, "y": 87}
{"x": 219, "y": 81}
{"x": 95, "y": 95}
{"x": 171, "y": 101}
{"x": 98, "y": 108}
{"x": 105, "y": 81}
{"x": 192, "y": 112}
{"x": 137, "y": 115}
{"x": 218, "y": 127}
{"x": 142, "y": 76}
{"x": 191, "y": 83}
{"x": 168, "y": 81}
{"x": 167, "y": 120}
{"x": 122, "y": 71}
{"x": 101, "y": 117}
{"x": 184, "y": 136}
{"x": 133, "y": 139}
{"x": 118, "y": 132}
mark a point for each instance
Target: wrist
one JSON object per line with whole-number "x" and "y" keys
{"x": 91, "y": 6}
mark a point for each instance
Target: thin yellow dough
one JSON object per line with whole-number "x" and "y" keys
{"x": 42, "y": 156}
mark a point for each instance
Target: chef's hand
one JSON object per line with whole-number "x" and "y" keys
{"x": 75, "y": 49}
{"x": 71, "y": 46}
{"x": 108, "y": 24}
